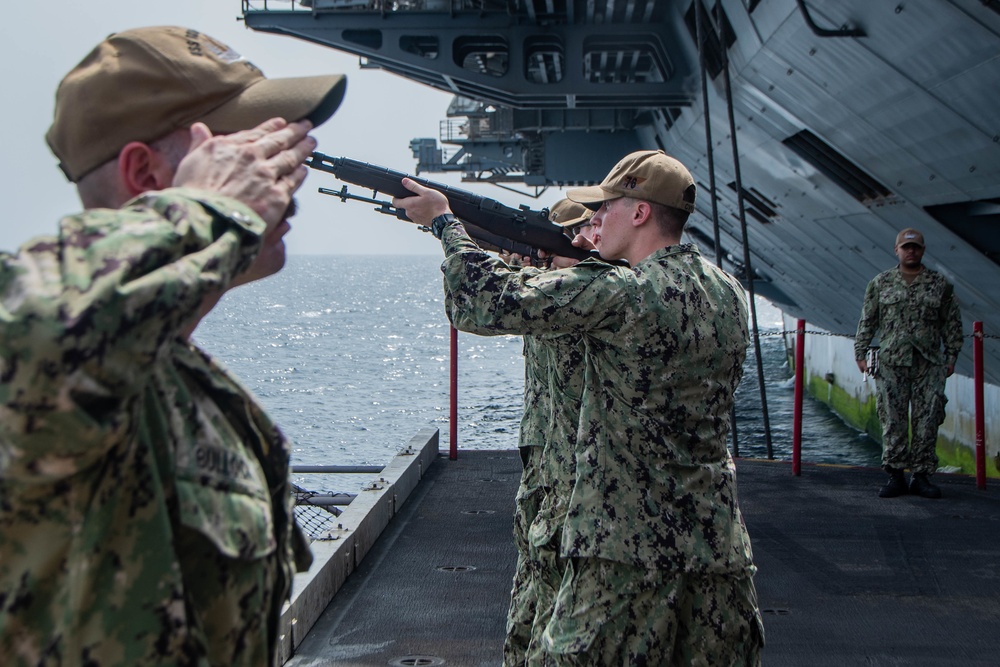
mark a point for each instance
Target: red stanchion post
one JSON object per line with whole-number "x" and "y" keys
{"x": 800, "y": 363}
{"x": 977, "y": 360}
{"x": 453, "y": 445}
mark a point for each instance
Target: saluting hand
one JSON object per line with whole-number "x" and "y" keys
{"x": 261, "y": 167}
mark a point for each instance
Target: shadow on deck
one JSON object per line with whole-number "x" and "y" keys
{"x": 845, "y": 578}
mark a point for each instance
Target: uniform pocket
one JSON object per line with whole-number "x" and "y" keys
{"x": 238, "y": 524}
{"x": 891, "y": 300}
{"x": 576, "y": 620}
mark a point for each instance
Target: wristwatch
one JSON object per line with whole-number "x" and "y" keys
{"x": 440, "y": 222}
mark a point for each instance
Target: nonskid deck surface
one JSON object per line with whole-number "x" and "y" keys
{"x": 848, "y": 578}
{"x": 845, "y": 578}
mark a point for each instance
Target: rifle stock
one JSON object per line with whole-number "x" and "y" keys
{"x": 495, "y": 226}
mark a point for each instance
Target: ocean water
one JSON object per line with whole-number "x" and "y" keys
{"x": 350, "y": 354}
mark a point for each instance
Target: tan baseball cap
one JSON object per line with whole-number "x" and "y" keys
{"x": 567, "y": 213}
{"x": 910, "y": 235}
{"x": 649, "y": 175}
{"x": 142, "y": 84}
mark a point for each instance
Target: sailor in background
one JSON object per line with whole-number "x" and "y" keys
{"x": 915, "y": 312}
{"x": 659, "y": 569}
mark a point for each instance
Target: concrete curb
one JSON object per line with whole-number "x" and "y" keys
{"x": 339, "y": 553}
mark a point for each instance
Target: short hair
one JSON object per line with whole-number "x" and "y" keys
{"x": 670, "y": 220}
{"x": 100, "y": 188}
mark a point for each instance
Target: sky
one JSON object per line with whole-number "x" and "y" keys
{"x": 42, "y": 40}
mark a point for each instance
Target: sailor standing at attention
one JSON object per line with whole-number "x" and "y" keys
{"x": 915, "y": 312}
{"x": 659, "y": 569}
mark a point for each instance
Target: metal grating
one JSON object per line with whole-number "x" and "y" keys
{"x": 315, "y": 520}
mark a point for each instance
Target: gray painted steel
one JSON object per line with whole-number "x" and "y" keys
{"x": 338, "y": 553}
{"x": 910, "y": 109}
{"x": 845, "y": 578}
{"x": 399, "y": 602}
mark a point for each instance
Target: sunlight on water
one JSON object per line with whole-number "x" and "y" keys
{"x": 351, "y": 356}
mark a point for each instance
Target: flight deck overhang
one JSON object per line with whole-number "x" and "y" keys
{"x": 843, "y": 136}
{"x": 496, "y": 56}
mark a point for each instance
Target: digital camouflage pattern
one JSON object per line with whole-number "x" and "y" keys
{"x": 145, "y": 512}
{"x": 521, "y": 612}
{"x": 918, "y": 387}
{"x": 655, "y": 485}
{"x": 546, "y": 440}
{"x": 552, "y": 359}
{"x": 565, "y": 363}
{"x": 920, "y": 329}
{"x": 910, "y": 319}
{"x": 609, "y": 613}
{"x": 566, "y": 381}
{"x": 535, "y": 419}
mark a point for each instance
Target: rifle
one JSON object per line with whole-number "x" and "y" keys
{"x": 494, "y": 226}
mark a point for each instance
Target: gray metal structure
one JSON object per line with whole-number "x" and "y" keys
{"x": 842, "y": 579}
{"x": 855, "y": 119}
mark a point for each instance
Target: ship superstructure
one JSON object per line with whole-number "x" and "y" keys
{"x": 853, "y": 119}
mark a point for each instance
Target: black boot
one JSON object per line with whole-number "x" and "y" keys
{"x": 921, "y": 486}
{"x": 896, "y": 486}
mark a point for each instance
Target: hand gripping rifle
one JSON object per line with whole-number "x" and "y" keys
{"x": 491, "y": 224}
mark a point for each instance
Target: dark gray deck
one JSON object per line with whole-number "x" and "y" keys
{"x": 845, "y": 578}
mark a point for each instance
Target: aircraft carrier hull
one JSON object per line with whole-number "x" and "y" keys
{"x": 815, "y": 131}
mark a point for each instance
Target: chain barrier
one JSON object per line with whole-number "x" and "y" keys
{"x": 795, "y": 331}
{"x": 792, "y": 332}
{"x": 872, "y": 356}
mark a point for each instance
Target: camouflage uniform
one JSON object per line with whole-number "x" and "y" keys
{"x": 566, "y": 377}
{"x": 655, "y": 488}
{"x": 521, "y": 613}
{"x": 913, "y": 321}
{"x": 145, "y": 511}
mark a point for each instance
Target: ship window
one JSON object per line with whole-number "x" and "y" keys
{"x": 836, "y": 167}
{"x": 544, "y": 59}
{"x": 420, "y": 45}
{"x": 638, "y": 59}
{"x": 371, "y": 39}
{"x": 482, "y": 54}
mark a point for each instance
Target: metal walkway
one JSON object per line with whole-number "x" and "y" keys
{"x": 845, "y": 578}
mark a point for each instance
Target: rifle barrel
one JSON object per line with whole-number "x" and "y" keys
{"x": 525, "y": 227}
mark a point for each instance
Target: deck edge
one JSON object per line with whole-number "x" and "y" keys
{"x": 359, "y": 527}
